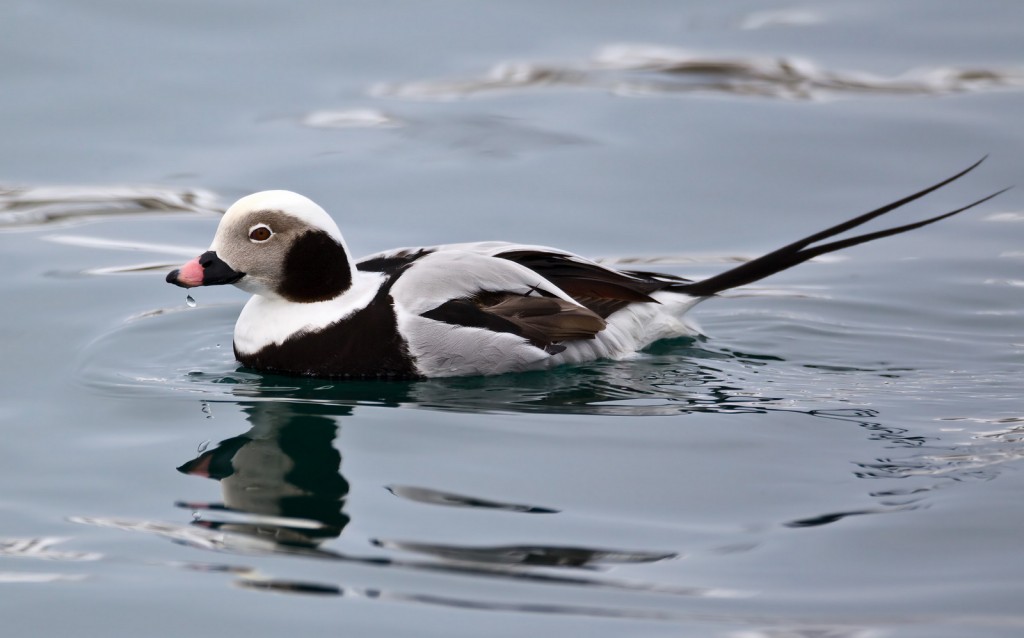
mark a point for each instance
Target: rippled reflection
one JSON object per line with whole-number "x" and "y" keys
{"x": 42, "y": 548}
{"x": 282, "y": 476}
{"x": 643, "y": 70}
{"x": 283, "y": 492}
{"x": 27, "y": 206}
{"x": 450, "y": 499}
{"x": 530, "y": 555}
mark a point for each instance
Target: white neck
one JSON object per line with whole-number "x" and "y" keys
{"x": 271, "y": 320}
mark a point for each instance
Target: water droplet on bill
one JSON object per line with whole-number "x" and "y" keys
{"x": 189, "y": 301}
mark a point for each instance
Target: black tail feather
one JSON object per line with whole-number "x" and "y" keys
{"x": 799, "y": 251}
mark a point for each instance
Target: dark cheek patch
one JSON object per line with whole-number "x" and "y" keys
{"x": 315, "y": 269}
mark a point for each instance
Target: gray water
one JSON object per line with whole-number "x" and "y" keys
{"x": 838, "y": 455}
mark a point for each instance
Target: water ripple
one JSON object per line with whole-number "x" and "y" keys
{"x": 646, "y": 70}
{"x": 450, "y": 499}
{"x": 37, "y": 577}
{"x": 33, "y": 206}
{"x": 42, "y": 547}
{"x": 220, "y": 539}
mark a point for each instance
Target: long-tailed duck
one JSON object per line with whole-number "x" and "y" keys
{"x": 457, "y": 309}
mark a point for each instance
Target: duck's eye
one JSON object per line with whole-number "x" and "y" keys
{"x": 260, "y": 233}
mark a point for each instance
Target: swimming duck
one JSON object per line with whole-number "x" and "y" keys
{"x": 458, "y": 309}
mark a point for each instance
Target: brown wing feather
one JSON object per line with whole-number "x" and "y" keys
{"x": 600, "y": 289}
{"x": 543, "y": 321}
{"x": 548, "y": 319}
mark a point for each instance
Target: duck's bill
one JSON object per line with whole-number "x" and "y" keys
{"x": 205, "y": 270}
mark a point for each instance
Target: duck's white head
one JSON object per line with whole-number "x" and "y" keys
{"x": 277, "y": 244}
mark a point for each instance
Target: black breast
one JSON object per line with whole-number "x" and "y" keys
{"x": 364, "y": 345}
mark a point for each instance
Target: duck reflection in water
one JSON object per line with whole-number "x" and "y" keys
{"x": 282, "y": 486}
{"x": 281, "y": 480}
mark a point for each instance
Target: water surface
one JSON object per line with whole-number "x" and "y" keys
{"x": 838, "y": 454}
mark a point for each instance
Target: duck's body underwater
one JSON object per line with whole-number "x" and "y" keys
{"x": 458, "y": 309}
